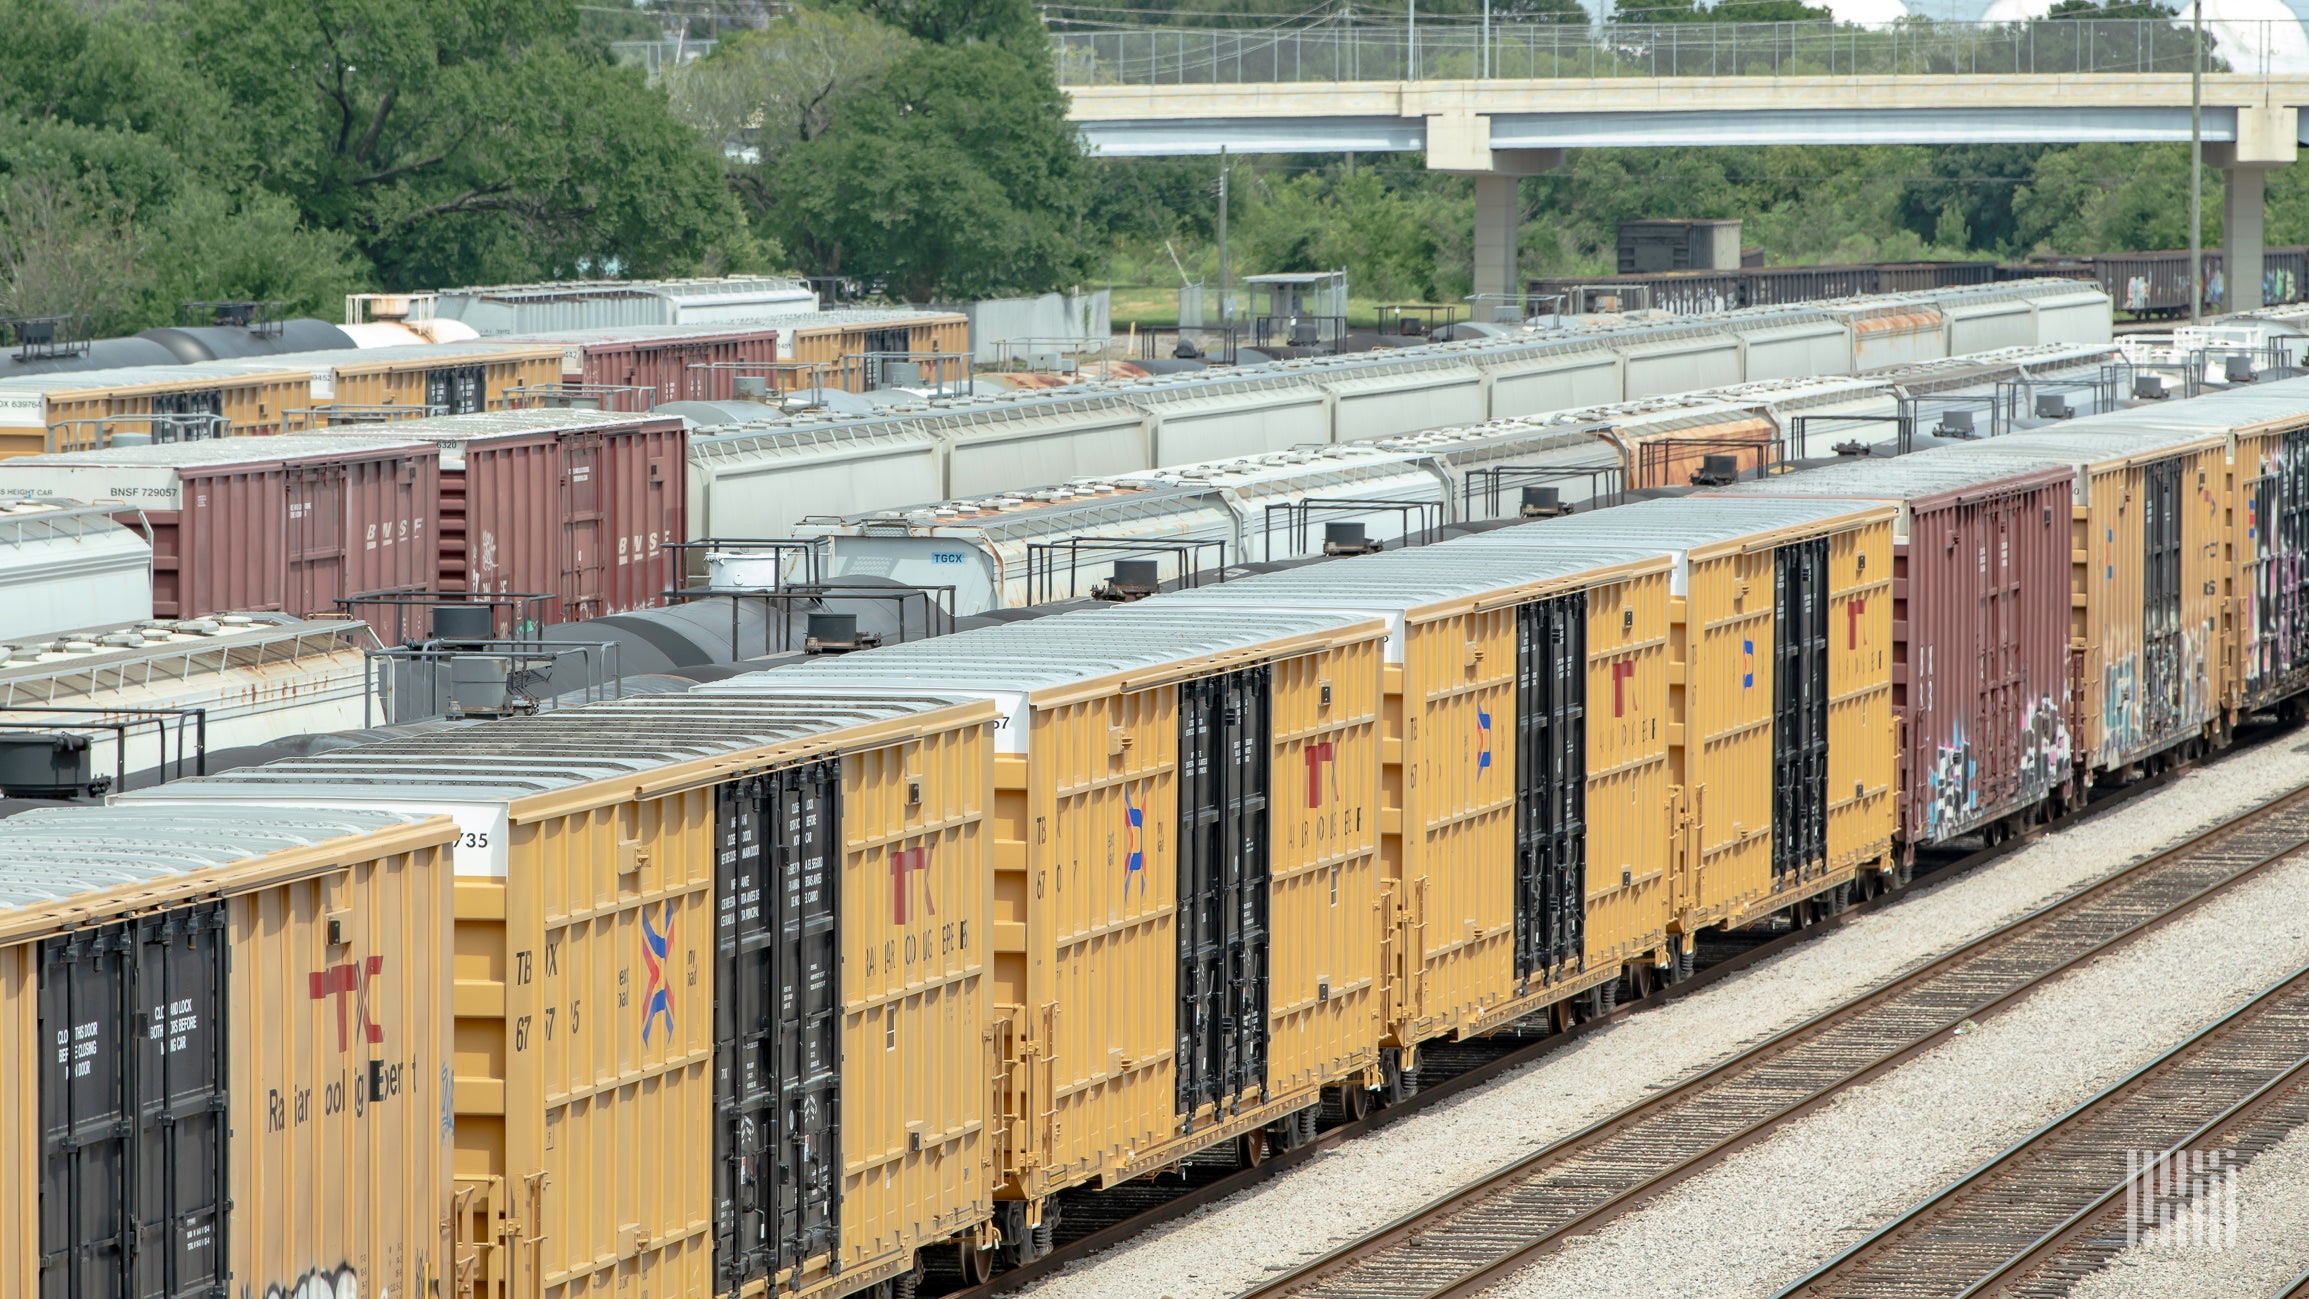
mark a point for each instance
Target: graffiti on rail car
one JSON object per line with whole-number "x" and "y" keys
{"x": 2151, "y": 699}
{"x": 1963, "y": 795}
{"x": 339, "y": 1282}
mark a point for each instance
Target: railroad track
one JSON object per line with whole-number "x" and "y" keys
{"x": 1473, "y": 1238}
{"x": 2234, "y": 1089}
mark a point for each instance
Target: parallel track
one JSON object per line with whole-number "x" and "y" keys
{"x": 2235, "y": 1088}
{"x": 1469, "y": 1240}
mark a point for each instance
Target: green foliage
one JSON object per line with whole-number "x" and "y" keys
{"x": 1012, "y": 24}
{"x": 279, "y": 148}
{"x": 957, "y": 176}
{"x": 1723, "y": 11}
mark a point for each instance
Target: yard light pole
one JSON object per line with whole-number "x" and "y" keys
{"x": 2197, "y": 162}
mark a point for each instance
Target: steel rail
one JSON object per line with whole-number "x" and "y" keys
{"x": 2156, "y": 1106}
{"x": 1470, "y": 1239}
{"x": 1188, "y": 1201}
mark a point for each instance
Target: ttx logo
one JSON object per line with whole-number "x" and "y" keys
{"x": 349, "y": 981}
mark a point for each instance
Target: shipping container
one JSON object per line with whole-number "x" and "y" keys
{"x": 1782, "y": 738}
{"x": 1523, "y": 836}
{"x": 2150, "y": 580}
{"x": 1980, "y": 634}
{"x": 288, "y": 524}
{"x": 66, "y": 565}
{"x": 361, "y": 385}
{"x": 720, "y": 977}
{"x": 636, "y": 367}
{"x": 73, "y": 411}
{"x": 226, "y": 1047}
{"x": 1187, "y": 923}
{"x": 577, "y": 506}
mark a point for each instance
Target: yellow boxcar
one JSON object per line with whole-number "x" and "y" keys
{"x": 2153, "y": 576}
{"x": 1782, "y": 742}
{"x": 2265, "y": 651}
{"x": 1186, "y": 906}
{"x": 226, "y": 1051}
{"x": 85, "y": 409}
{"x": 710, "y": 954}
{"x": 828, "y": 338}
{"x": 1523, "y": 844}
{"x": 361, "y": 385}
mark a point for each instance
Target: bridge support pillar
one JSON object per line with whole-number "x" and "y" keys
{"x": 1459, "y": 144}
{"x": 1498, "y": 233}
{"x": 2266, "y": 140}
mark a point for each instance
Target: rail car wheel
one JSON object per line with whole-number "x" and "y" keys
{"x": 1683, "y": 958}
{"x": 1021, "y": 1244}
{"x": 1354, "y": 1102}
{"x": 976, "y": 1265}
{"x": 1397, "y": 1084}
{"x": 1251, "y": 1149}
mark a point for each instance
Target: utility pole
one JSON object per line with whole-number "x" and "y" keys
{"x": 1411, "y": 43}
{"x": 2197, "y": 163}
{"x": 1224, "y": 318}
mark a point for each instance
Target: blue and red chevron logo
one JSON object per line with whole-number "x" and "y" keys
{"x": 658, "y": 999}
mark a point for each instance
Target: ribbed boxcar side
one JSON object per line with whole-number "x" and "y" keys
{"x": 1323, "y": 983}
{"x": 1979, "y": 628}
{"x": 1627, "y": 795}
{"x": 1863, "y": 728}
{"x": 292, "y": 1081}
{"x": 602, "y": 1117}
{"x": 2150, "y": 575}
{"x": 1497, "y": 663}
{"x": 1162, "y": 889}
{"x": 917, "y": 1062}
{"x": 349, "y": 1042}
{"x": 1766, "y": 665}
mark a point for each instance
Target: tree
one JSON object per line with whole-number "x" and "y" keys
{"x": 459, "y": 140}
{"x": 1723, "y": 11}
{"x": 957, "y": 176}
{"x": 1012, "y": 24}
{"x": 771, "y": 90}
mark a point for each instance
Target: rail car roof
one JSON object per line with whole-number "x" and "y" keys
{"x": 54, "y": 854}
{"x": 1404, "y": 585}
{"x": 517, "y": 757}
{"x": 1677, "y": 526}
{"x": 203, "y": 452}
{"x": 1905, "y": 479}
{"x": 1064, "y": 649}
{"x": 2217, "y": 412}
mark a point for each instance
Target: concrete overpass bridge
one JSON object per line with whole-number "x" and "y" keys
{"x": 1502, "y": 102}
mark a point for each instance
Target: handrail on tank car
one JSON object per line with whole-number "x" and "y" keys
{"x": 1913, "y": 408}
{"x": 1496, "y": 479}
{"x": 350, "y": 413}
{"x": 1300, "y": 515}
{"x": 525, "y": 617}
{"x": 1652, "y": 455}
{"x": 130, "y": 719}
{"x": 1042, "y": 561}
{"x": 937, "y": 606}
{"x": 638, "y": 398}
{"x": 808, "y": 549}
{"x": 1800, "y": 430}
{"x": 160, "y": 426}
{"x": 603, "y": 679}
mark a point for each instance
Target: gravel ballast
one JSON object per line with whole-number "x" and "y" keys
{"x": 1222, "y": 1251}
{"x": 1769, "y": 1214}
{"x": 2271, "y": 1245}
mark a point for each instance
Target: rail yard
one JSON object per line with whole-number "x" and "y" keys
{"x": 523, "y": 799}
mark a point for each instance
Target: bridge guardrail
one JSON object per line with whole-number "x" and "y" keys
{"x": 1337, "y": 50}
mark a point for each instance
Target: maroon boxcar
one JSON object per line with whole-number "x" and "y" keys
{"x": 275, "y": 524}
{"x": 635, "y": 367}
{"x": 576, "y": 506}
{"x": 1980, "y": 630}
